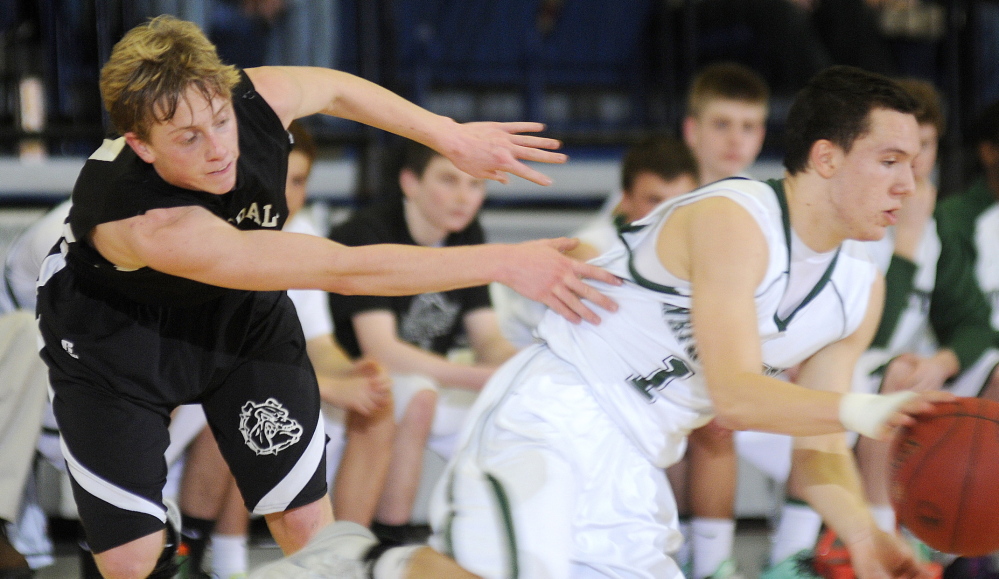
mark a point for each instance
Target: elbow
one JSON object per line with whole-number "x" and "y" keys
{"x": 733, "y": 416}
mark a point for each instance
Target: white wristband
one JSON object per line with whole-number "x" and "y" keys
{"x": 868, "y": 413}
{"x": 394, "y": 563}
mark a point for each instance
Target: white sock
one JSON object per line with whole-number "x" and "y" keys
{"x": 798, "y": 529}
{"x": 711, "y": 544}
{"x": 229, "y": 556}
{"x": 884, "y": 516}
{"x": 682, "y": 556}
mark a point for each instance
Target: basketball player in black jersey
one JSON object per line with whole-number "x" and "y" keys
{"x": 167, "y": 287}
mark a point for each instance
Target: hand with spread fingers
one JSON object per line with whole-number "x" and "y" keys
{"x": 555, "y": 280}
{"x": 489, "y": 150}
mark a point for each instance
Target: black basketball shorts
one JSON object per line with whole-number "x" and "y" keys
{"x": 117, "y": 369}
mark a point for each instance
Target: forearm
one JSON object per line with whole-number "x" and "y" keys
{"x": 360, "y": 100}
{"x": 828, "y": 481}
{"x": 299, "y": 91}
{"x": 272, "y": 260}
{"x": 495, "y": 353}
{"x": 328, "y": 359}
{"x": 948, "y": 363}
{"x": 756, "y": 402}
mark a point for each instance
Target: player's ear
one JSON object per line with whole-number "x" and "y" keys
{"x": 408, "y": 182}
{"x": 689, "y": 132}
{"x": 140, "y": 147}
{"x": 989, "y": 154}
{"x": 824, "y": 157}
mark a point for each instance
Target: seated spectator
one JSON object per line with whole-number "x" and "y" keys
{"x": 25, "y": 412}
{"x": 934, "y": 331}
{"x": 23, "y": 390}
{"x": 413, "y": 335}
{"x": 934, "y": 334}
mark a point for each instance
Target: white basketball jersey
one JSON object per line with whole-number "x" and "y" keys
{"x": 641, "y": 362}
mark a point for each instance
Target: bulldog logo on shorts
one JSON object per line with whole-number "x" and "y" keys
{"x": 266, "y": 427}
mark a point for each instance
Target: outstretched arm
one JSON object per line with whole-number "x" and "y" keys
{"x": 483, "y": 150}
{"x": 192, "y": 243}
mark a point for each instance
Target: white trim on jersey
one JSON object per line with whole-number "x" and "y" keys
{"x": 109, "y": 149}
{"x": 52, "y": 265}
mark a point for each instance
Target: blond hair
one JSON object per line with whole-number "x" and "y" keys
{"x": 152, "y": 67}
{"x": 726, "y": 81}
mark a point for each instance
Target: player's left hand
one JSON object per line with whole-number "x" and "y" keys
{"x": 538, "y": 270}
{"x": 917, "y": 373}
{"x": 886, "y": 556}
{"x": 488, "y": 150}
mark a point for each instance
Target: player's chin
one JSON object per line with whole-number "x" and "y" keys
{"x": 875, "y": 233}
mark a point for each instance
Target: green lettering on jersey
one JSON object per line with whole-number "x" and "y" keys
{"x": 674, "y": 368}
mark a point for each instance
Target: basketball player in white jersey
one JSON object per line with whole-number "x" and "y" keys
{"x": 560, "y": 470}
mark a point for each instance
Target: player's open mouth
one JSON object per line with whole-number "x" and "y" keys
{"x": 222, "y": 171}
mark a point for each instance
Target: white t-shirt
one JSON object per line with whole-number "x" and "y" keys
{"x": 312, "y": 306}
{"x": 24, "y": 259}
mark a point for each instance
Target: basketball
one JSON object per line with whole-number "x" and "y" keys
{"x": 944, "y": 470}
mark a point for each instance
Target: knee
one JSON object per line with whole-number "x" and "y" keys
{"x": 379, "y": 427}
{"x": 135, "y": 560}
{"x": 293, "y": 528}
{"x": 713, "y": 439}
{"x": 418, "y": 416}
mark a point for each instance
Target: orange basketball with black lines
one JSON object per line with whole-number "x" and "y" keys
{"x": 945, "y": 477}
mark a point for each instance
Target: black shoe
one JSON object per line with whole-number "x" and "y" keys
{"x": 971, "y": 568}
{"x": 405, "y": 534}
{"x": 14, "y": 565}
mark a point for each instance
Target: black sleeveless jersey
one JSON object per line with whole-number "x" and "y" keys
{"x": 116, "y": 184}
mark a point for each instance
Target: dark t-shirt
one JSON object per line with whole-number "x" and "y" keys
{"x": 116, "y": 184}
{"x": 431, "y": 321}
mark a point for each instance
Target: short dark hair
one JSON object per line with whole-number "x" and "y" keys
{"x": 667, "y": 157}
{"x": 416, "y": 157}
{"x": 988, "y": 125}
{"x": 835, "y": 105}
{"x": 303, "y": 141}
{"x": 930, "y": 108}
{"x": 726, "y": 81}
